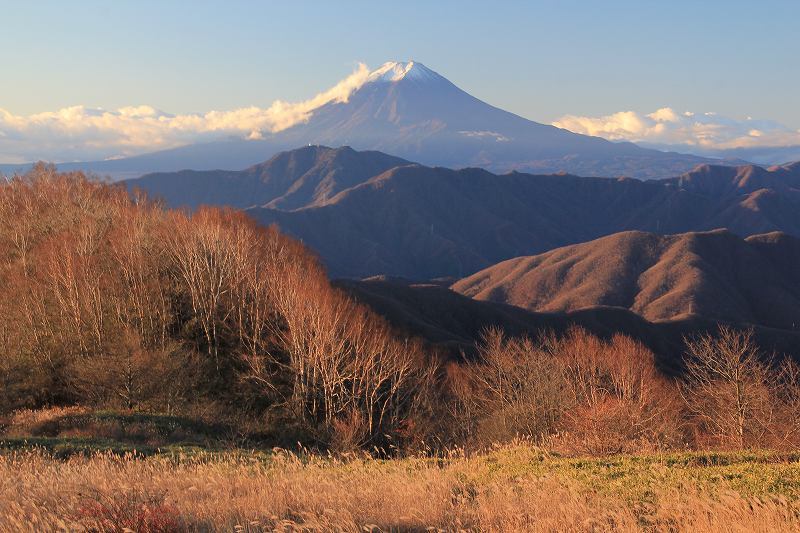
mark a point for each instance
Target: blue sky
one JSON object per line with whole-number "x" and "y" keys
{"x": 540, "y": 59}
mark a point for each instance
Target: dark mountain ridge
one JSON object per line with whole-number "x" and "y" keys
{"x": 367, "y": 213}
{"x": 420, "y": 222}
{"x": 289, "y": 180}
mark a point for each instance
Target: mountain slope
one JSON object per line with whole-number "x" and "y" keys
{"x": 421, "y": 223}
{"x": 410, "y": 111}
{"x": 299, "y": 178}
{"x": 716, "y": 275}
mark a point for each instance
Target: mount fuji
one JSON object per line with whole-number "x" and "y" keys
{"x": 407, "y": 110}
{"x": 410, "y": 111}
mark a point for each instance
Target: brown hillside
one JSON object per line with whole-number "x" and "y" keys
{"x": 716, "y": 275}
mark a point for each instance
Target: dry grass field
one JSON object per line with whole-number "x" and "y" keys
{"x": 512, "y": 488}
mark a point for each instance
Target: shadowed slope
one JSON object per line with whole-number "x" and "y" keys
{"x": 455, "y": 322}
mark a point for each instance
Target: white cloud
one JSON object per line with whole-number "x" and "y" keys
{"x": 666, "y": 127}
{"x": 84, "y": 133}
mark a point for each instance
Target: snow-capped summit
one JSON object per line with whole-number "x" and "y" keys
{"x": 392, "y": 71}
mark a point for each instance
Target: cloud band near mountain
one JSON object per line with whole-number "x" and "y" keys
{"x": 85, "y": 133}
{"x": 696, "y": 132}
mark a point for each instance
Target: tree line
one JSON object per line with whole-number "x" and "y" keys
{"x": 108, "y": 299}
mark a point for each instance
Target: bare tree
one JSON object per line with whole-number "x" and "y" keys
{"x": 786, "y": 401}
{"x": 727, "y": 387}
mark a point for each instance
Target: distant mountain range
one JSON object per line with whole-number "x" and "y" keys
{"x": 715, "y": 275}
{"x": 421, "y": 223}
{"x": 760, "y": 155}
{"x": 412, "y": 112}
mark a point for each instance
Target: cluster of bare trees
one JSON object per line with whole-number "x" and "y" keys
{"x": 576, "y": 391}
{"x": 589, "y": 395}
{"x": 86, "y": 295}
{"x": 110, "y": 300}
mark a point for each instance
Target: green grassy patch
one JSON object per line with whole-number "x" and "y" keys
{"x": 751, "y": 473}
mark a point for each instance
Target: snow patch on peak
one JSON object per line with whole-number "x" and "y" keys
{"x": 395, "y": 71}
{"x": 483, "y": 134}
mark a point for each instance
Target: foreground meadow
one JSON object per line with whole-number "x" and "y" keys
{"x": 511, "y": 488}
